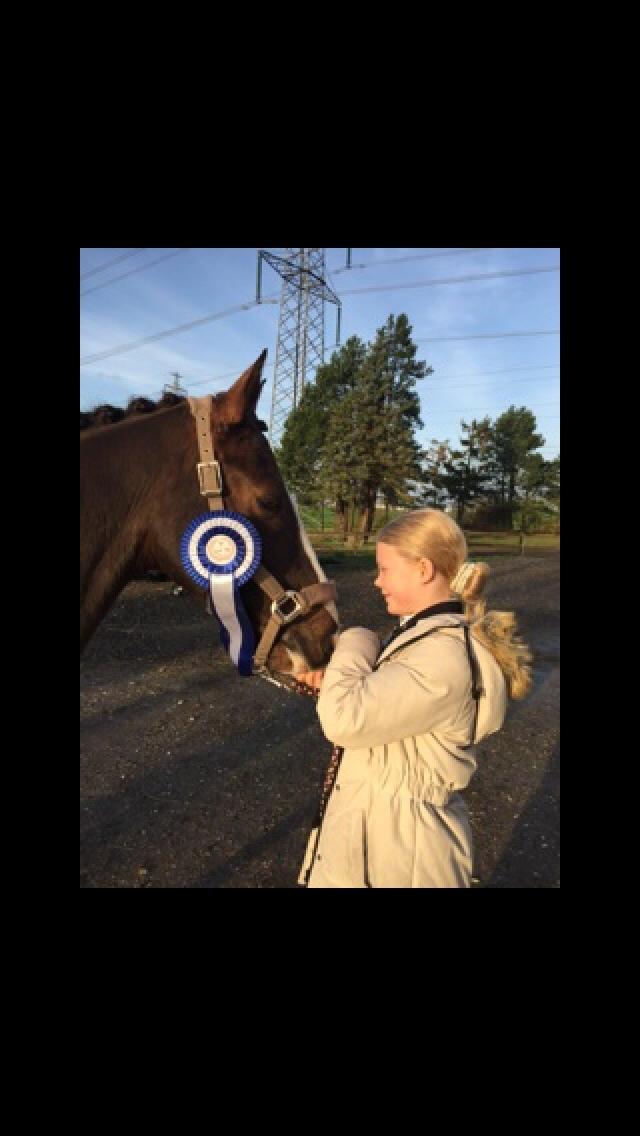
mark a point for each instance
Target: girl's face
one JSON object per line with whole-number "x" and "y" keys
{"x": 401, "y": 581}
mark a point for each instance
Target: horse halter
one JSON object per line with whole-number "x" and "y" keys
{"x": 286, "y": 604}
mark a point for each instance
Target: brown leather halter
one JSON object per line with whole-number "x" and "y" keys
{"x": 286, "y": 605}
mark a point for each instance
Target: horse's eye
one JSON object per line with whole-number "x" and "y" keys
{"x": 271, "y": 504}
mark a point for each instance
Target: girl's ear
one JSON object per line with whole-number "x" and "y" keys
{"x": 427, "y": 570}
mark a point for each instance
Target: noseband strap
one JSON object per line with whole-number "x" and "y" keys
{"x": 285, "y": 605}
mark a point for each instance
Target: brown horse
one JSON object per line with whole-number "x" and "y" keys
{"x": 139, "y": 491}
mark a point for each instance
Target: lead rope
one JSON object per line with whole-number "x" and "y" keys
{"x": 334, "y": 760}
{"x": 336, "y": 752}
{"x": 331, "y": 772}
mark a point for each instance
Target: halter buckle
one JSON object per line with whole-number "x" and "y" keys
{"x": 210, "y": 478}
{"x": 299, "y": 604}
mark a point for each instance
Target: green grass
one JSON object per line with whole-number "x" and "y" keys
{"x": 349, "y": 557}
{"x": 502, "y": 541}
{"x": 312, "y": 518}
{"x": 332, "y": 552}
{"x": 332, "y": 543}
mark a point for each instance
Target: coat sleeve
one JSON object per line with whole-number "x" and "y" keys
{"x": 419, "y": 690}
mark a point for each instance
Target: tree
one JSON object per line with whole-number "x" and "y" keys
{"x": 370, "y": 446}
{"x": 538, "y": 489}
{"x": 400, "y": 454}
{"x": 459, "y": 475}
{"x": 306, "y": 427}
{"x": 434, "y": 491}
{"x": 513, "y": 439}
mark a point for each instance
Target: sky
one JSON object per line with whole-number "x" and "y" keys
{"x": 463, "y": 328}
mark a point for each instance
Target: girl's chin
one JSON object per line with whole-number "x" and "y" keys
{"x": 394, "y": 609}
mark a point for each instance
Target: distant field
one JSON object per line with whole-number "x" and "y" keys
{"x": 510, "y": 541}
{"x": 313, "y": 519}
{"x": 327, "y": 537}
{"x": 494, "y": 544}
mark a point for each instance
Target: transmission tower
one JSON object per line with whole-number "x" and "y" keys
{"x": 300, "y": 346}
{"x": 174, "y": 387}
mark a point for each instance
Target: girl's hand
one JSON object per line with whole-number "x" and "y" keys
{"x": 311, "y": 678}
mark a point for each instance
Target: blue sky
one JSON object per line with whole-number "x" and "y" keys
{"x": 162, "y": 288}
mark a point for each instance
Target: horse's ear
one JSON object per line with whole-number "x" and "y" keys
{"x": 241, "y": 399}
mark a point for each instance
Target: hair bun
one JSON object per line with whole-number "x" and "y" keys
{"x": 462, "y": 577}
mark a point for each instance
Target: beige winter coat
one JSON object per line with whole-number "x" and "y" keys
{"x": 396, "y": 818}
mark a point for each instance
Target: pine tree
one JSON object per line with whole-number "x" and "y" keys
{"x": 370, "y": 445}
{"x": 459, "y": 475}
{"x": 538, "y": 487}
{"x": 306, "y": 427}
{"x": 513, "y": 440}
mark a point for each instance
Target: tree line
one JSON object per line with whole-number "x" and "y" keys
{"x": 352, "y": 440}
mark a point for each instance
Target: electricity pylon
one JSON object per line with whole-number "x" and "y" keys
{"x": 300, "y": 346}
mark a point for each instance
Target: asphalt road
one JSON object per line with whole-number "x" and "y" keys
{"x": 192, "y": 777}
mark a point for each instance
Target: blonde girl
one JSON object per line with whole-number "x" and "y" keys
{"x": 404, "y": 716}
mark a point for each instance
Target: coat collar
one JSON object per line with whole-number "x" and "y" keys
{"x": 445, "y": 614}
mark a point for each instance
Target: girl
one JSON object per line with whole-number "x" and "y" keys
{"x": 406, "y": 715}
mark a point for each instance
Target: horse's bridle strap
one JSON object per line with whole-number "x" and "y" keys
{"x": 209, "y": 473}
{"x": 321, "y": 593}
{"x": 302, "y": 599}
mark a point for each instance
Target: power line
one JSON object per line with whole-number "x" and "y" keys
{"x": 487, "y": 383}
{"x": 430, "y": 390}
{"x": 438, "y": 390}
{"x": 499, "y": 371}
{"x": 441, "y": 415}
{"x": 419, "y": 256}
{"x": 108, "y": 263}
{"x": 274, "y": 300}
{"x": 175, "y": 330}
{"x": 243, "y": 307}
{"x": 462, "y": 374}
{"x": 142, "y": 267}
{"x": 452, "y": 280}
{"x": 491, "y": 335}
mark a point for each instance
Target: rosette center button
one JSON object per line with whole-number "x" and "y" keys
{"x": 221, "y": 549}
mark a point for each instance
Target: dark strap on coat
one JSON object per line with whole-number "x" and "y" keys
{"x": 476, "y": 687}
{"x": 402, "y": 646}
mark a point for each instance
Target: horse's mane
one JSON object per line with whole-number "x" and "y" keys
{"x": 105, "y": 414}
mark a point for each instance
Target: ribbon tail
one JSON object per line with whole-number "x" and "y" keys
{"x": 236, "y": 631}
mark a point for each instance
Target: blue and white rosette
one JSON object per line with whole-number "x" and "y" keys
{"x": 221, "y": 551}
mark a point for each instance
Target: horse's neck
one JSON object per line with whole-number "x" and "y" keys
{"x": 117, "y": 473}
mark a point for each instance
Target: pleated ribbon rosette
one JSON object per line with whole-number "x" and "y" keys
{"x": 221, "y": 551}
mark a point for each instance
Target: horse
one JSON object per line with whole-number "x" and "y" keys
{"x": 139, "y": 490}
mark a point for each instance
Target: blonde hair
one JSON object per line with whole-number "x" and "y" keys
{"x": 434, "y": 535}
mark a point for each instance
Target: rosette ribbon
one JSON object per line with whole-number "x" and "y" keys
{"x": 221, "y": 551}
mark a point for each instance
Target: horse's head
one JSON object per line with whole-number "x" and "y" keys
{"x": 252, "y": 486}
{"x": 140, "y": 492}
